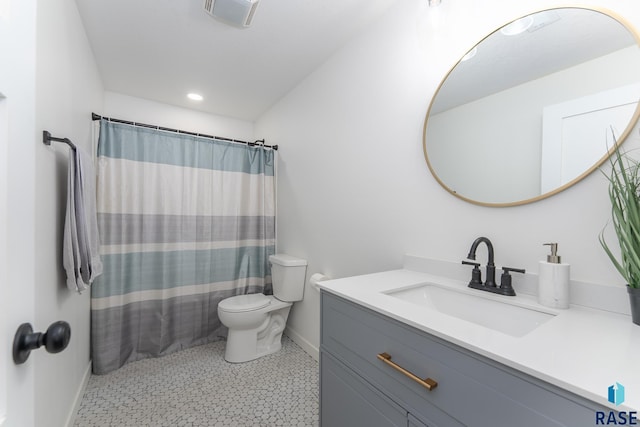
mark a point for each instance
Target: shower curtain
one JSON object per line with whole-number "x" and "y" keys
{"x": 184, "y": 222}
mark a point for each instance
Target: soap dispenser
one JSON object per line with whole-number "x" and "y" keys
{"x": 553, "y": 280}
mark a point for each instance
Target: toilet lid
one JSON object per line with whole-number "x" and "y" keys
{"x": 247, "y": 302}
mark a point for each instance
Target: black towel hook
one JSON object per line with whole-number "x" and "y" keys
{"x": 47, "y": 138}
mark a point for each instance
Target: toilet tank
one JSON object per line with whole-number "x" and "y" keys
{"x": 288, "y": 274}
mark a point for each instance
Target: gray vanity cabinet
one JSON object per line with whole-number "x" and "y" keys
{"x": 359, "y": 389}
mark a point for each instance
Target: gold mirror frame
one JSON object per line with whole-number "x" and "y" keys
{"x": 632, "y": 123}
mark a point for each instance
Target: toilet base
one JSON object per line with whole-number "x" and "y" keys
{"x": 250, "y": 344}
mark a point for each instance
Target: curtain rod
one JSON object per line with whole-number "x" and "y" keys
{"x": 258, "y": 142}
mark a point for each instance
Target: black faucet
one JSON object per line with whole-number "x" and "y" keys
{"x": 489, "y": 285}
{"x": 491, "y": 268}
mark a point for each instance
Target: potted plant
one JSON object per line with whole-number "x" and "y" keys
{"x": 624, "y": 185}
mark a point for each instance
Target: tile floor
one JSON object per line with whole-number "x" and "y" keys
{"x": 196, "y": 387}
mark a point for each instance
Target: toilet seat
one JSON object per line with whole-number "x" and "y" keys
{"x": 240, "y": 303}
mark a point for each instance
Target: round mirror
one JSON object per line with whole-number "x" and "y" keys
{"x": 534, "y": 107}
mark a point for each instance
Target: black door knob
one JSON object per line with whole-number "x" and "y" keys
{"x": 54, "y": 340}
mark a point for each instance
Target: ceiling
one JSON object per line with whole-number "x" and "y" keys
{"x": 163, "y": 49}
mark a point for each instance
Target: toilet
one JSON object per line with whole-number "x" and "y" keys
{"x": 256, "y": 321}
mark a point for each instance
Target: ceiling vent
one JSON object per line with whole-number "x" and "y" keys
{"x": 235, "y": 12}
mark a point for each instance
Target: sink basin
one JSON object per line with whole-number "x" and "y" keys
{"x": 514, "y": 320}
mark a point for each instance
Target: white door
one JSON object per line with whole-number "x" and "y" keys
{"x": 577, "y": 134}
{"x": 16, "y": 288}
{"x": 4, "y": 364}
{"x": 16, "y": 294}
{"x": 17, "y": 203}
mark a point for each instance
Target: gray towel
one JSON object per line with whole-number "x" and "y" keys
{"x": 80, "y": 252}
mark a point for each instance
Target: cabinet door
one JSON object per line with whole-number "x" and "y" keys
{"x": 414, "y": 422}
{"x": 346, "y": 400}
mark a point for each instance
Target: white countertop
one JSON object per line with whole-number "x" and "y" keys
{"x": 581, "y": 350}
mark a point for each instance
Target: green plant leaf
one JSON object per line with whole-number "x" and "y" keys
{"x": 624, "y": 184}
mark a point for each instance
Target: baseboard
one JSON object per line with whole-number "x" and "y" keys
{"x": 71, "y": 418}
{"x": 308, "y": 348}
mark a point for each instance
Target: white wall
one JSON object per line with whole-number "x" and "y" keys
{"x": 68, "y": 88}
{"x": 133, "y": 109}
{"x": 354, "y": 191}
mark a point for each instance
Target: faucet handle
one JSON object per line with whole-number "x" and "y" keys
{"x": 476, "y": 274}
{"x": 505, "y": 281}
{"x": 511, "y": 269}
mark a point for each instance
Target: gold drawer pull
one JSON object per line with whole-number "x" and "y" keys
{"x": 427, "y": 383}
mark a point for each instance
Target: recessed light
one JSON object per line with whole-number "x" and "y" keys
{"x": 469, "y": 54}
{"x": 195, "y": 97}
{"x": 518, "y": 26}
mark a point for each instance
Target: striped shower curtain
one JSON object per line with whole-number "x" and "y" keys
{"x": 184, "y": 222}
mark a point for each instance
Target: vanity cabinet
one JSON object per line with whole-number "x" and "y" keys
{"x": 359, "y": 389}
